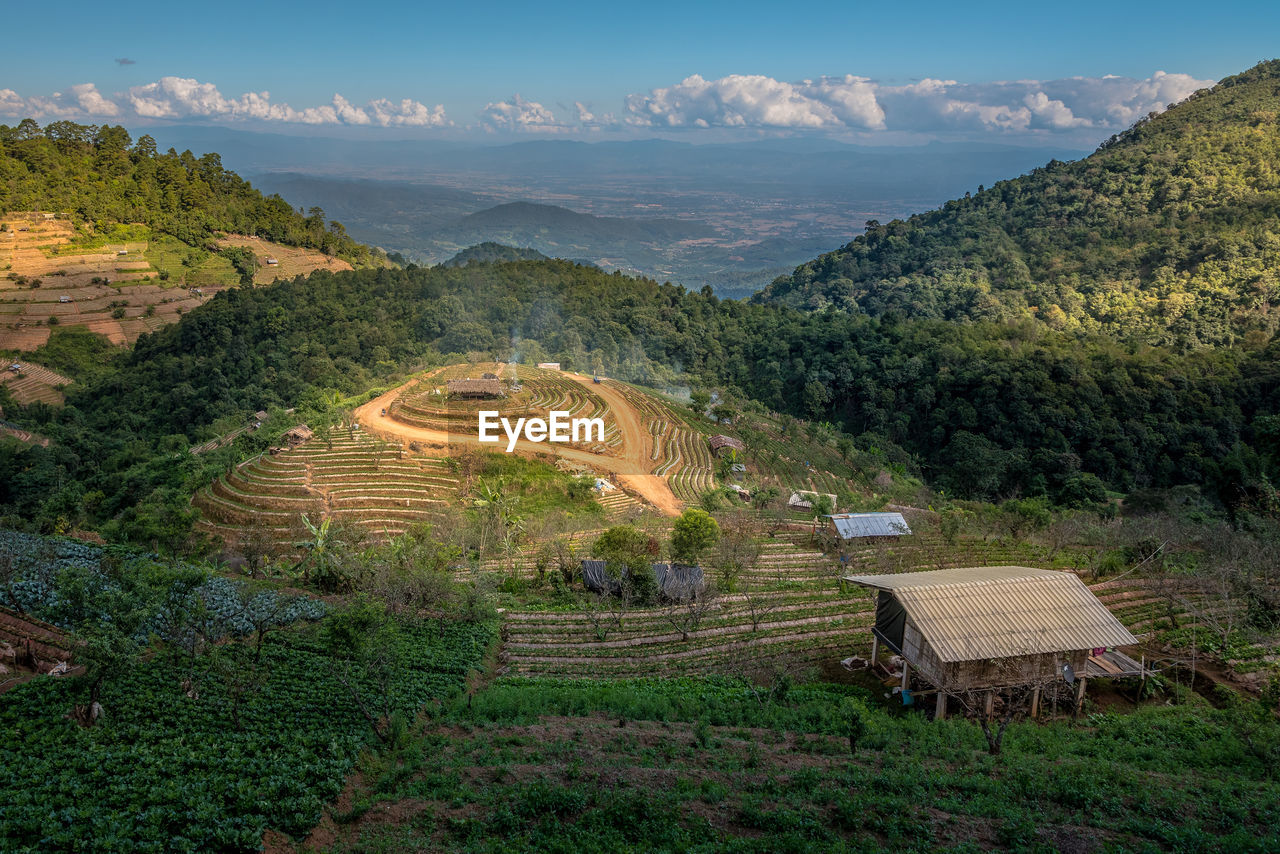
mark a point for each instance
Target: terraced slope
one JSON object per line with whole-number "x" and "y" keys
{"x": 791, "y": 608}
{"x": 356, "y": 478}
{"x": 34, "y": 382}
{"x": 118, "y": 287}
{"x": 528, "y": 392}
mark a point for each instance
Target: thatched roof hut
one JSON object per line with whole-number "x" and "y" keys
{"x": 298, "y": 435}
{"x": 725, "y": 443}
{"x": 474, "y": 388}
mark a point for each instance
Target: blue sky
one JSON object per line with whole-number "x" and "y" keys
{"x": 593, "y": 68}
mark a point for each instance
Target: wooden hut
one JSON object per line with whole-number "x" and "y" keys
{"x": 298, "y": 435}
{"x": 481, "y": 388}
{"x": 992, "y": 627}
{"x": 722, "y": 445}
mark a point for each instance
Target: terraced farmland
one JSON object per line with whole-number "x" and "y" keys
{"x": 791, "y": 608}
{"x": 679, "y": 453}
{"x": 120, "y": 285}
{"x": 362, "y": 480}
{"x": 33, "y": 383}
{"x": 539, "y": 391}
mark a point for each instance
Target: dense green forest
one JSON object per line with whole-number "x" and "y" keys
{"x": 100, "y": 176}
{"x": 1165, "y": 235}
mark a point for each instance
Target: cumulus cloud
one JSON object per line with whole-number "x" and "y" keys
{"x": 520, "y": 115}
{"x": 407, "y": 113}
{"x": 753, "y": 100}
{"x": 1110, "y": 103}
{"x": 1084, "y": 106}
{"x": 860, "y": 104}
{"x": 184, "y": 98}
{"x": 11, "y": 103}
{"x": 83, "y": 99}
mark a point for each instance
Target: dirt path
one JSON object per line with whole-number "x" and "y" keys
{"x": 632, "y": 467}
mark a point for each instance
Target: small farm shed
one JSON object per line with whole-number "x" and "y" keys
{"x": 474, "y": 388}
{"x": 549, "y": 366}
{"x": 989, "y": 627}
{"x": 843, "y": 528}
{"x": 721, "y": 445}
{"x": 676, "y": 582}
{"x": 802, "y": 499}
{"x": 298, "y": 435}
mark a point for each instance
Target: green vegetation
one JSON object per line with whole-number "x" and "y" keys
{"x": 103, "y": 178}
{"x": 982, "y": 410}
{"x": 693, "y": 534}
{"x": 237, "y": 721}
{"x": 717, "y": 764}
{"x": 490, "y": 252}
{"x": 1162, "y": 236}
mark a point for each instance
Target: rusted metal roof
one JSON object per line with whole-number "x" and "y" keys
{"x": 853, "y": 525}
{"x": 991, "y": 612}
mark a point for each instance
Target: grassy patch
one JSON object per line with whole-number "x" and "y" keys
{"x": 190, "y": 265}
{"x": 707, "y": 764}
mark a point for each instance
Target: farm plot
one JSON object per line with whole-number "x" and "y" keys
{"x": 356, "y": 479}
{"x": 789, "y": 608}
{"x": 34, "y": 382}
{"x": 679, "y": 453}
{"x": 528, "y": 392}
{"x": 290, "y": 261}
{"x": 52, "y": 274}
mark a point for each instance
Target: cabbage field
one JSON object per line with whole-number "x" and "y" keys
{"x": 201, "y": 747}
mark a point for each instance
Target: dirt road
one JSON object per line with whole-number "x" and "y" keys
{"x": 632, "y": 465}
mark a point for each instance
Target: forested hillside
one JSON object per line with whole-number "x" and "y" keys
{"x": 1165, "y": 235}
{"x": 980, "y": 410}
{"x": 101, "y": 176}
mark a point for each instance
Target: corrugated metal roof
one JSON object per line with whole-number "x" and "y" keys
{"x": 1001, "y": 611}
{"x": 853, "y": 525}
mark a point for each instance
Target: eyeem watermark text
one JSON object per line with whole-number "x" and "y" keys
{"x": 558, "y": 427}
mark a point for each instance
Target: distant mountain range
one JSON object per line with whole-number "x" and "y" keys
{"x": 733, "y": 216}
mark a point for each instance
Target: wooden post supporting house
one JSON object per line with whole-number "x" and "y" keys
{"x": 973, "y": 631}
{"x": 875, "y": 647}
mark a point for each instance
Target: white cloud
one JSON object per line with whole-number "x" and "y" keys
{"x": 11, "y": 103}
{"x": 520, "y": 115}
{"x": 1085, "y": 106}
{"x": 92, "y": 102}
{"x": 408, "y": 113}
{"x": 183, "y": 97}
{"x": 929, "y": 105}
{"x": 753, "y": 100}
{"x": 1032, "y": 105}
